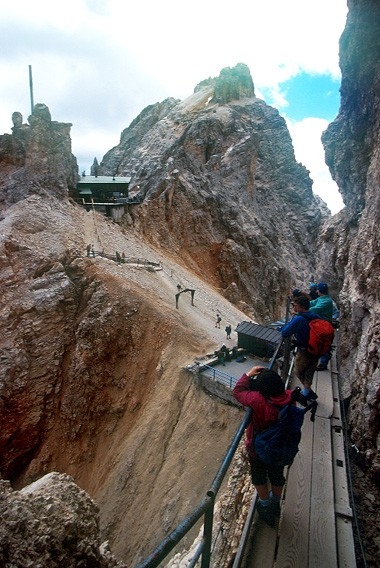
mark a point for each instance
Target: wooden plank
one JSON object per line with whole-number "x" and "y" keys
{"x": 293, "y": 546}
{"x": 322, "y": 543}
{"x": 342, "y": 504}
{"x": 333, "y": 362}
{"x": 346, "y": 548}
{"x": 261, "y": 548}
{"x": 323, "y": 388}
{"x": 337, "y": 415}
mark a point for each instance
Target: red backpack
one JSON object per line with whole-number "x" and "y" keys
{"x": 321, "y": 336}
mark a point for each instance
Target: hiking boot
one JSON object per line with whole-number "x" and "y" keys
{"x": 266, "y": 513}
{"x": 276, "y": 507}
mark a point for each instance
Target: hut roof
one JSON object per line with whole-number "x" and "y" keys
{"x": 259, "y": 331}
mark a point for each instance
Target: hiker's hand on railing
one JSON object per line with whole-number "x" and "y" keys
{"x": 255, "y": 371}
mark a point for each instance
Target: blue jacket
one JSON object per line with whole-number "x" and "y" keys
{"x": 299, "y": 327}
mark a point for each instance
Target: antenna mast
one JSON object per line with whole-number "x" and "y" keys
{"x": 31, "y": 88}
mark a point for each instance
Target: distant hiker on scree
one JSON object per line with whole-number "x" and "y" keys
{"x": 228, "y": 331}
{"x": 218, "y": 320}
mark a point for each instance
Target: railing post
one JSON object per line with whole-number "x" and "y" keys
{"x": 207, "y": 531}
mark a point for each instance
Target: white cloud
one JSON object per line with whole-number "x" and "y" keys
{"x": 98, "y": 63}
{"x": 308, "y": 149}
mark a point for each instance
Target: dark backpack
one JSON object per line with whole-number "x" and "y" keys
{"x": 278, "y": 444}
{"x": 321, "y": 336}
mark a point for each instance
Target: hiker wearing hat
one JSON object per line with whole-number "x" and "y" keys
{"x": 323, "y": 305}
{"x": 264, "y": 392}
{"x": 313, "y": 291}
{"x": 305, "y": 363}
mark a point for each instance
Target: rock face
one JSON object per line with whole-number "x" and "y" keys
{"x": 350, "y": 252}
{"x": 51, "y": 514}
{"x": 36, "y": 158}
{"x": 223, "y": 191}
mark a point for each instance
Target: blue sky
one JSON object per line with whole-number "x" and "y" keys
{"x": 311, "y": 95}
{"x": 99, "y": 63}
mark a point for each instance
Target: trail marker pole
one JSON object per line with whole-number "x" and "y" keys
{"x": 31, "y": 89}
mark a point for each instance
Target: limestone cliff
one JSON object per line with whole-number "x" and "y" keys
{"x": 59, "y": 526}
{"x": 350, "y": 255}
{"x": 36, "y": 158}
{"x": 223, "y": 191}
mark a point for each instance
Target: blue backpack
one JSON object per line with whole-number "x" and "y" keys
{"x": 278, "y": 444}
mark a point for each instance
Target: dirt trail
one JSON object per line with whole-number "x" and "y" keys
{"x": 208, "y": 302}
{"x": 90, "y": 230}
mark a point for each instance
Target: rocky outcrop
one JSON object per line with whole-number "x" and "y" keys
{"x": 36, "y": 158}
{"x": 51, "y": 523}
{"x": 350, "y": 242}
{"x": 233, "y": 84}
{"x": 223, "y": 192}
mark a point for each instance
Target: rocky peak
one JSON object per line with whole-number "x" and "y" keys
{"x": 233, "y": 84}
{"x": 36, "y": 158}
{"x": 223, "y": 160}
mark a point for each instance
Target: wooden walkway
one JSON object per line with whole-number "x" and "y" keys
{"x": 315, "y": 527}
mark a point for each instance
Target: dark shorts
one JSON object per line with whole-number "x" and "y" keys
{"x": 260, "y": 472}
{"x": 304, "y": 366}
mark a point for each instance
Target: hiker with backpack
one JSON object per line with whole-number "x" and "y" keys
{"x": 263, "y": 390}
{"x": 309, "y": 342}
{"x": 323, "y": 305}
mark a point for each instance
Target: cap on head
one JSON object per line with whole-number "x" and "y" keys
{"x": 269, "y": 383}
{"x": 323, "y": 288}
{"x": 313, "y": 286}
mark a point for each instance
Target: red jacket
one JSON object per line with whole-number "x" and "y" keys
{"x": 263, "y": 413}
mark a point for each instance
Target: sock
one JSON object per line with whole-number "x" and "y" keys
{"x": 265, "y": 502}
{"x": 305, "y": 391}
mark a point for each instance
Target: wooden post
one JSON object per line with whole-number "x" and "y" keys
{"x": 31, "y": 89}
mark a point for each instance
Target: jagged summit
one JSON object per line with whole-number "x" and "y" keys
{"x": 222, "y": 188}
{"x": 232, "y": 84}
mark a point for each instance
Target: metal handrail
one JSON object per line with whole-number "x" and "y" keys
{"x": 205, "y": 507}
{"x": 220, "y": 376}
